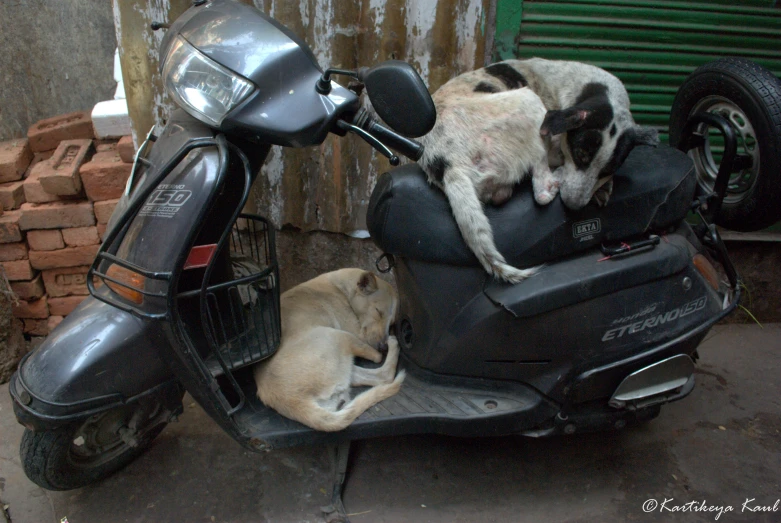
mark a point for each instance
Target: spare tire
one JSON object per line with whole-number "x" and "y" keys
{"x": 749, "y": 96}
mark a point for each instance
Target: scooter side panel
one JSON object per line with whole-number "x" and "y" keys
{"x": 98, "y": 355}
{"x": 449, "y": 327}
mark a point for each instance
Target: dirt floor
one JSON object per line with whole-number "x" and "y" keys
{"x": 718, "y": 448}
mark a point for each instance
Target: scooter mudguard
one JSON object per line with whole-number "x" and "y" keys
{"x": 97, "y": 358}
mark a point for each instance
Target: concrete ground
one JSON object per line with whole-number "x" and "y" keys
{"x": 718, "y": 448}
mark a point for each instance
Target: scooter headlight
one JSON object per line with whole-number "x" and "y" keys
{"x": 201, "y": 86}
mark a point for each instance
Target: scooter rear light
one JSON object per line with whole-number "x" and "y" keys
{"x": 127, "y": 283}
{"x": 707, "y": 270}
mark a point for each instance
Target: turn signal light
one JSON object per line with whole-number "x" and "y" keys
{"x": 129, "y": 282}
{"x": 707, "y": 270}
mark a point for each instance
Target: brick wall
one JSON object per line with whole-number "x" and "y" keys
{"x": 58, "y": 188}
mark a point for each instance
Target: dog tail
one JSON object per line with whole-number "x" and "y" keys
{"x": 319, "y": 418}
{"x": 475, "y": 228}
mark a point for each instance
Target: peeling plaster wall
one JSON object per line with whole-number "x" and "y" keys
{"x": 138, "y": 52}
{"x": 55, "y": 57}
{"x": 324, "y": 187}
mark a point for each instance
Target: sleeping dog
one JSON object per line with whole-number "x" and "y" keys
{"x": 326, "y": 323}
{"x": 497, "y": 124}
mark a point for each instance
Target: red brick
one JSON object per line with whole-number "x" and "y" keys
{"x": 104, "y": 178}
{"x": 61, "y": 177}
{"x": 104, "y": 210}
{"x": 46, "y": 134}
{"x": 45, "y": 240}
{"x": 106, "y": 146}
{"x": 12, "y": 195}
{"x": 29, "y": 289}
{"x": 36, "y": 327}
{"x": 78, "y": 236}
{"x": 18, "y": 270}
{"x": 9, "y": 227}
{"x": 53, "y": 322}
{"x": 33, "y": 190}
{"x": 32, "y": 309}
{"x": 56, "y": 215}
{"x": 67, "y": 257}
{"x": 38, "y": 158}
{"x": 64, "y": 306}
{"x": 126, "y": 149}
{"x": 13, "y": 251}
{"x": 102, "y": 231}
{"x": 15, "y": 157}
{"x": 66, "y": 281}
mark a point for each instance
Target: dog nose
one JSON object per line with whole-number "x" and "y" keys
{"x": 383, "y": 346}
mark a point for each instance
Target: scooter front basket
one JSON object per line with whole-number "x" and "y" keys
{"x": 242, "y": 321}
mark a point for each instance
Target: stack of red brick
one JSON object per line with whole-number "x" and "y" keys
{"x": 58, "y": 188}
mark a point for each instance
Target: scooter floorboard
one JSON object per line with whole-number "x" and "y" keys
{"x": 427, "y": 403}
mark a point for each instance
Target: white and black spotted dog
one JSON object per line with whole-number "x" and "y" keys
{"x": 518, "y": 118}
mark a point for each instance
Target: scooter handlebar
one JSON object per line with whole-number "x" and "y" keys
{"x": 406, "y": 146}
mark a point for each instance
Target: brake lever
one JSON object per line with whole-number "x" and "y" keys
{"x": 371, "y": 140}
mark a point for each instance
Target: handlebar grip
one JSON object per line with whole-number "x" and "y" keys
{"x": 409, "y": 148}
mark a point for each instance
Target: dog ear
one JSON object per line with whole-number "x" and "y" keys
{"x": 645, "y": 136}
{"x": 367, "y": 283}
{"x": 557, "y": 122}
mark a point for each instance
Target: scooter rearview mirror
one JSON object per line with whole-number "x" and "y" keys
{"x": 399, "y": 97}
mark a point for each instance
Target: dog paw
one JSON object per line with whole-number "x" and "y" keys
{"x": 547, "y": 192}
{"x": 544, "y": 197}
{"x": 393, "y": 342}
{"x": 400, "y": 378}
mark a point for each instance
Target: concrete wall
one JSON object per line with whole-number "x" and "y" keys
{"x": 56, "y": 56}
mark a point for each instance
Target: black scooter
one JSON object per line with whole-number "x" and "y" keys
{"x": 185, "y": 288}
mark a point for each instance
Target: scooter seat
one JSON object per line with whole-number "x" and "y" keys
{"x": 652, "y": 191}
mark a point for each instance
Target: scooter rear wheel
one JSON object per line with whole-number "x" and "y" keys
{"x": 85, "y": 452}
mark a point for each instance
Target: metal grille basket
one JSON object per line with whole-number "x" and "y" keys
{"x": 241, "y": 317}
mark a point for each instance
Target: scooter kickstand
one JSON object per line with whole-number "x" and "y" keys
{"x": 335, "y": 512}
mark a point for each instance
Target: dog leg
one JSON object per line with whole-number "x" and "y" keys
{"x": 319, "y": 418}
{"x": 362, "y": 376}
{"x": 545, "y": 183}
{"x": 363, "y": 350}
{"x": 475, "y": 228}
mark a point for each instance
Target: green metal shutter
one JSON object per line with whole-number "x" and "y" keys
{"x": 650, "y": 45}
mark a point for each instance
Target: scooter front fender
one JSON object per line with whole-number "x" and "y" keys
{"x": 98, "y": 358}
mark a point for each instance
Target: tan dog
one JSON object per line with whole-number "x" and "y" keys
{"x": 326, "y": 322}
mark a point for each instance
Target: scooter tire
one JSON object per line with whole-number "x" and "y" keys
{"x": 48, "y": 460}
{"x": 736, "y": 86}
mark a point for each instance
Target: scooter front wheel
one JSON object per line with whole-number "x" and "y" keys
{"x": 88, "y": 451}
